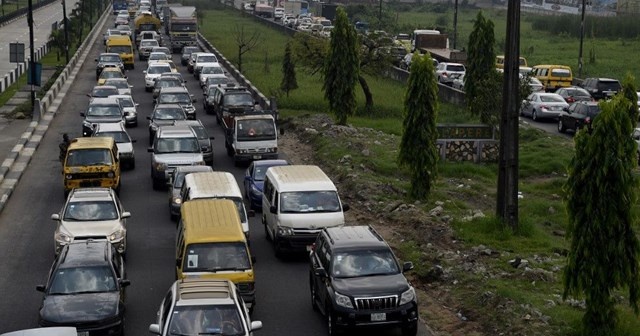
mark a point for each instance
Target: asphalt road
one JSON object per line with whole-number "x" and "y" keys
{"x": 26, "y": 232}
{"x": 17, "y": 31}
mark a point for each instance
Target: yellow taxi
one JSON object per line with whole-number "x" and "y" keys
{"x": 107, "y": 73}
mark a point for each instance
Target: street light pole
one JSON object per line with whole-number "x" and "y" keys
{"x": 581, "y": 40}
{"x": 66, "y": 31}
{"x": 455, "y": 24}
{"x": 32, "y": 60}
{"x": 380, "y": 15}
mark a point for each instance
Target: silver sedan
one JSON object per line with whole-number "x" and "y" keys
{"x": 539, "y": 105}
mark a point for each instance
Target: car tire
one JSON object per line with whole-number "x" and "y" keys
{"x": 155, "y": 184}
{"x": 561, "y": 127}
{"x": 312, "y": 290}
{"x": 332, "y": 327}
{"x": 266, "y": 232}
{"x": 534, "y": 115}
{"x": 411, "y": 329}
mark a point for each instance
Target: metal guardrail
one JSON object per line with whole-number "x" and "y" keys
{"x": 4, "y": 19}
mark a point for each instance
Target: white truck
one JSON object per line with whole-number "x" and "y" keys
{"x": 253, "y": 136}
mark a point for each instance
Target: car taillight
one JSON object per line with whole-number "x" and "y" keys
{"x": 570, "y": 100}
{"x": 544, "y": 107}
{"x": 445, "y": 74}
{"x": 587, "y": 120}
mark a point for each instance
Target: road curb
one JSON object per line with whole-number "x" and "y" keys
{"x": 18, "y": 159}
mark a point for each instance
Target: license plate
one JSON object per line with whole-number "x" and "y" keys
{"x": 83, "y": 333}
{"x": 379, "y": 317}
{"x": 257, "y": 157}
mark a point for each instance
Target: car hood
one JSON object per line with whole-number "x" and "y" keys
{"x": 203, "y": 64}
{"x": 178, "y": 158}
{"x": 125, "y": 147}
{"x": 91, "y": 228}
{"x": 130, "y": 110}
{"x": 163, "y": 122}
{"x": 78, "y": 308}
{"x": 372, "y": 286}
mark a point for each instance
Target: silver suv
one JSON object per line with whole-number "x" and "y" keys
{"x": 203, "y": 307}
{"x": 444, "y": 72}
{"x": 178, "y": 95}
{"x": 173, "y": 146}
{"x": 91, "y": 213}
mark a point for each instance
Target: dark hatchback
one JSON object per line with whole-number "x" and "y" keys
{"x": 85, "y": 289}
{"x": 356, "y": 282}
{"x": 254, "y": 180}
{"x": 578, "y": 115}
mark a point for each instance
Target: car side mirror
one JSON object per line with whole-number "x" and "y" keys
{"x": 154, "y": 329}
{"x": 148, "y": 117}
{"x": 82, "y": 114}
{"x": 178, "y": 262}
{"x": 126, "y": 214}
{"x": 95, "y": 59}
{"x": 320, "y": 271}
{"x": 251, "y": 213}
{"x": 150, "y": 149}
{"x": 55, "y": 217}
{"x": 407, "y": 266}
{"x": 212, "y": 137}
{"x": 253, "y": 260}
{"x": 273, "y": 209}
{"x": 40, "y": 288}
{"x": 255, "y": 325}
{"x": 125, "y": 283}
{"x": 89, "y": 95}
{"x": 144, "y": 72}
{"x": 345, "y": 207}
{"x": 134, "y": 140}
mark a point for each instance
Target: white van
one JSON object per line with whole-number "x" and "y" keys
{"x": 217, "y": 184}
{"x": 297, "y": 203}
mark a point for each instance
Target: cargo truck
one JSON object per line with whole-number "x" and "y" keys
{"x": 252, "y": 136}
{"x": 183, "y": 27}
{"x": 146, "y": 22}
{"x": 437, "y": 45}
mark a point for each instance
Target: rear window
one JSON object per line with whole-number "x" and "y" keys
{"x": 593, "y": 110}
{"x": 560, "y": 73}
{"x": 455, "y": 67}
{"x": 609, "y": 86}
{"x": 551, "y": 99}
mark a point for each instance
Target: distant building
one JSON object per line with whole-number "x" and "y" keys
{"x": 628, "y": 7}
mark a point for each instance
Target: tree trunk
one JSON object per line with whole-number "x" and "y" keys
{"x": 368, "y": 105}
{"x": 240, "y": 59}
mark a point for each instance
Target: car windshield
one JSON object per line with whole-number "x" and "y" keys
{"x": 104, "y": 92}
{"x": 189, "y": 50}
{"x": 90, "y": 211}
{"x": 260, "y": 171}
{"x": 162, "y": 50}
{"x": 362, "y": 263}
{"x": 103, "y": 111}
{"x": 592, "y": 110}
{"x": 206, "y": 320}
{"x": 149, "y": 43}
{"x": 609, "y": 86}
{"x": 118, "y": 137}
{"x": 309, "y": 201}
{"x": 172, "y": 82}
{"x": 255, "y": 129}
{"x": 560, "y": 73}
{"x": 110, "y": 58}
{"x": 159, "y": 69}
{"x": 169, "y": 114}
{"x": 77, "y": 280}
{"x": 451, "y": 67}
{"x": 216, "y": 81}
{"x": 158, "y": 56}
{"x": 207, "y": 59}
{"x": 177, "y": 98}
{"x": 238, "y": 99}
{"x": 120, "y": 49}
{"x": 551, "y": 99}
{"x": 118, "y": 83}
{"x": 212, "y": 257}
{"x": 212, "y": 70}
{"x": 177, "y": 145}
{"x": 88, "y": 157}
{"x": 110, "y": 74}
{"x": 126, "y": 102}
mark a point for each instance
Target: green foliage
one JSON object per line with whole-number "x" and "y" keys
{"x": 289, "y": 81}
{"x": 418, "y": 145}
{"x": 629, "y": 92}
{"x": 487, "y": 101}
{"x": 601, "y": 196}
{"x": 480, "y": 66}
{"x": 309, "y": 51}
{"x": 601, "y": 26}
{"x": 341, "y": 69}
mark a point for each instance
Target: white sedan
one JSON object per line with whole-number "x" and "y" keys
{"x": 539, "y": 105}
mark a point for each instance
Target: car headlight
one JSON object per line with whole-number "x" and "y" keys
{"x": 160, "y": 166}
{"x": 117, "y": 235}
{"x": 177, "y": 200}
{"x": 241, "y": 151}
{"x": 285, "y": 231}
{"x": 63, "y": 238}
{"x": 100, "y": 65}
{"x": 343, "y": 301}
{"x": 68, "y": 176}
{"x": 154, "y": 127}
{"x": 272, "y": 150}
{"x": 408, "y": 296}
{"x": 199, "y": 163}
{"x": 87, "y": 124}
{"x": 110, "y": 174}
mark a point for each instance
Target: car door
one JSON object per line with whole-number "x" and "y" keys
{"x": 248, "y": 176}
{"x": 574, "y": 115}
{"x": 324, "y": 287}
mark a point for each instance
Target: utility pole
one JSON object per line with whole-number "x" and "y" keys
{"x": 32, "y": 60}
{"x": 380, "y": 15}
{"x": 507, "y": 198}
{"x": 455, "y": 24}
{"x": 581, "y": 40}
{"x": 66, "y": 31}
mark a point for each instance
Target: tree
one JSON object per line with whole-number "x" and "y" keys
{"x": 630, "y": 93}
{"x": 289, "y": 81}
{"x": 601, "y": 196}
{"x": 418, "y": 149}
{"x": 341, "y": 69}
{"x": 481, "y": 61}
{"x": 245, "y": 43}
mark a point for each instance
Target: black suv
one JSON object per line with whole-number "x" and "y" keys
{"x": 356, "y": 281}
{"x": 85, "y": 289}
{"x": 600, "y": 88}
{"x": 229, "y": 99}
{"x": 577, "y": 115}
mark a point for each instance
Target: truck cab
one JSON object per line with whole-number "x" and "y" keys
{"x": 252, "y": 137}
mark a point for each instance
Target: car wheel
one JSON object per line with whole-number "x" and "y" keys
{"x": 534, "y": 115}
{"x": 314, "y": 304}
{"x": 156, "y": 184}
{"x": 332, "y": 328}
{"x": 266, "y": 229}
{"x": 411, "y": 329}
{"x": 561, "y": 127}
